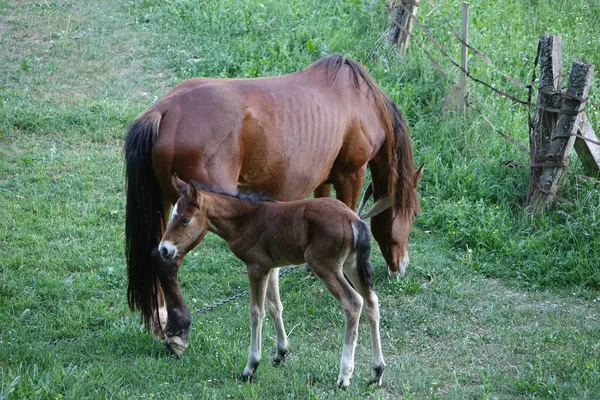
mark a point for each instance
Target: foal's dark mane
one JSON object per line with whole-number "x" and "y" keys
{"x": 251, "y": 197}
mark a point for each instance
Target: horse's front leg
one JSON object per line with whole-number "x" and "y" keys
{"x": 257, "y": 280}
{"x": 348, "y": 186}
{"x": 179, "y": 318}
{"x": 275, "y": 310}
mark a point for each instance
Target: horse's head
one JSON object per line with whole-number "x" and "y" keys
{"x": 391, "y": 229}
{"x": 187, "y": 226}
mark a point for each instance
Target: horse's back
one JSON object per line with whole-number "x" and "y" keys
{"x": 281, "y": 135}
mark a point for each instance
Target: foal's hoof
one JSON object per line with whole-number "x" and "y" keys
{"x": 176, "y": 345}
{"x": 343, "y": 381}
{"x": 249, "y": 372}
{"x": 377, "y": 375}
{"x": 279, "y": 357}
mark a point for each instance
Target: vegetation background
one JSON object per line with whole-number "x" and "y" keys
{"x": 496, "y": 304}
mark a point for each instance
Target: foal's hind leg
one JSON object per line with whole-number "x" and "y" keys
{"x": 371, "y": 310}
{"x": 275, "y": 310}
{"x": 179, "y": 318}
{"x": 351, "y": 302}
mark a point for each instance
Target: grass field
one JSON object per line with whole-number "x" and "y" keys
{"x": 495, "y": 304}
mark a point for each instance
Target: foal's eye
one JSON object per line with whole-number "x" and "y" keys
{"x": 185, "y": 220}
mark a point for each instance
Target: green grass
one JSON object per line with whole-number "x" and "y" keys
{"x": 496, "y": 304}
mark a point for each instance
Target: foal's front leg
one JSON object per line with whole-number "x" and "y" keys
{"x": 257, "y": 280}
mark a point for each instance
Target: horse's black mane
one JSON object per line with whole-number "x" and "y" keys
{"x": 251, "y": 197}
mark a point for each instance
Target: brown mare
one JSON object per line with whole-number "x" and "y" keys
{"x": 285, "y": 136}
{"x": 322, "y": 232}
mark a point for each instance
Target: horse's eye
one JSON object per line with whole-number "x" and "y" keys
{"x": 185, "y": 220}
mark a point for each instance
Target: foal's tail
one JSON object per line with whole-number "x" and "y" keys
{"x": 362, "y": 246}
{"x": 143, "y": 215}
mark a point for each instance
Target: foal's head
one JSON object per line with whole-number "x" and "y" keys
{"x": 391, "y": 229}
{"x": 187, "y": 225}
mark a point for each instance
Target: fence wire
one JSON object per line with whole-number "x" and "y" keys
{"x": 528, "y": 87}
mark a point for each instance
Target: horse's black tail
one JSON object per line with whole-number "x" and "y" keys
{"x": 362, "y": 245}
{"x": 143, "y": 216}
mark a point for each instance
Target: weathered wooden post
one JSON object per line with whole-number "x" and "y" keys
{"x": 402, "y": 23}
{"x": 587, "y": 147}
{"x": 544, "y": 121}
{"x": 563, "y": 139}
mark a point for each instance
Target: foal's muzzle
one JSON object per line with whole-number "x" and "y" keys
{"x": 167, "y": 250}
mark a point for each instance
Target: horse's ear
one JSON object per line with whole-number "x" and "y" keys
{"x": 418, "y": 175}
{"x": 177, "y": 183}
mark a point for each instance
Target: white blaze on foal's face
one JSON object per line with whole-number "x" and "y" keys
{"x": 173, "y": 213}
{"x": 166, "y": 248}
{"x": 186, "y": 226}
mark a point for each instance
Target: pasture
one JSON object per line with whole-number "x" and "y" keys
{"x": 495, "y": 304}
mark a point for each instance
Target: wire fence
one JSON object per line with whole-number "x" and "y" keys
{"x": 529, "y": 87}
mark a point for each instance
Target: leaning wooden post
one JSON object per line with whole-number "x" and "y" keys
{"x": 563, "y": 139}
{"x": 587, "y": 147}
{"x": 544, "y": 121}
{"x": 462, "y": 104}
{"x": 402, "y": 23}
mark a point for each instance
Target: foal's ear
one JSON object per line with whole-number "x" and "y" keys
{"x": 192, "y": 192}
{"x": 418, "y": 175}
{"x": 177, "y": 183}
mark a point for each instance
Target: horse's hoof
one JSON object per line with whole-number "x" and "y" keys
{"x": 377, "y": 375}
{"x": 176, "y": 345}
{"x": 309, "y": 270}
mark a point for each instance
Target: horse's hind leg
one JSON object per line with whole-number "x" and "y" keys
{"x": 159, "y": 316}
{"x": 257, "y": 283}
{"x": 275, "y": 310}
{"x": 371, "y": 310}
{"x": 351, "y": 302}
{"x": 179, "y": 318}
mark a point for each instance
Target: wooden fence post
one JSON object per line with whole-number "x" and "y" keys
{"x": 563, "y": 139}
{"x": 402, "y": 23}
{"x": 544, "y": 122}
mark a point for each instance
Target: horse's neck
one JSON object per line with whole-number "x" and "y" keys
{"x": 227, "y": 214}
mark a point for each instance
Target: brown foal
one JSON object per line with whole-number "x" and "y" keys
{"x": 266, "y": 235}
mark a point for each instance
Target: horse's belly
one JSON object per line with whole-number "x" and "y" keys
{"x": 291, "y": 176}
